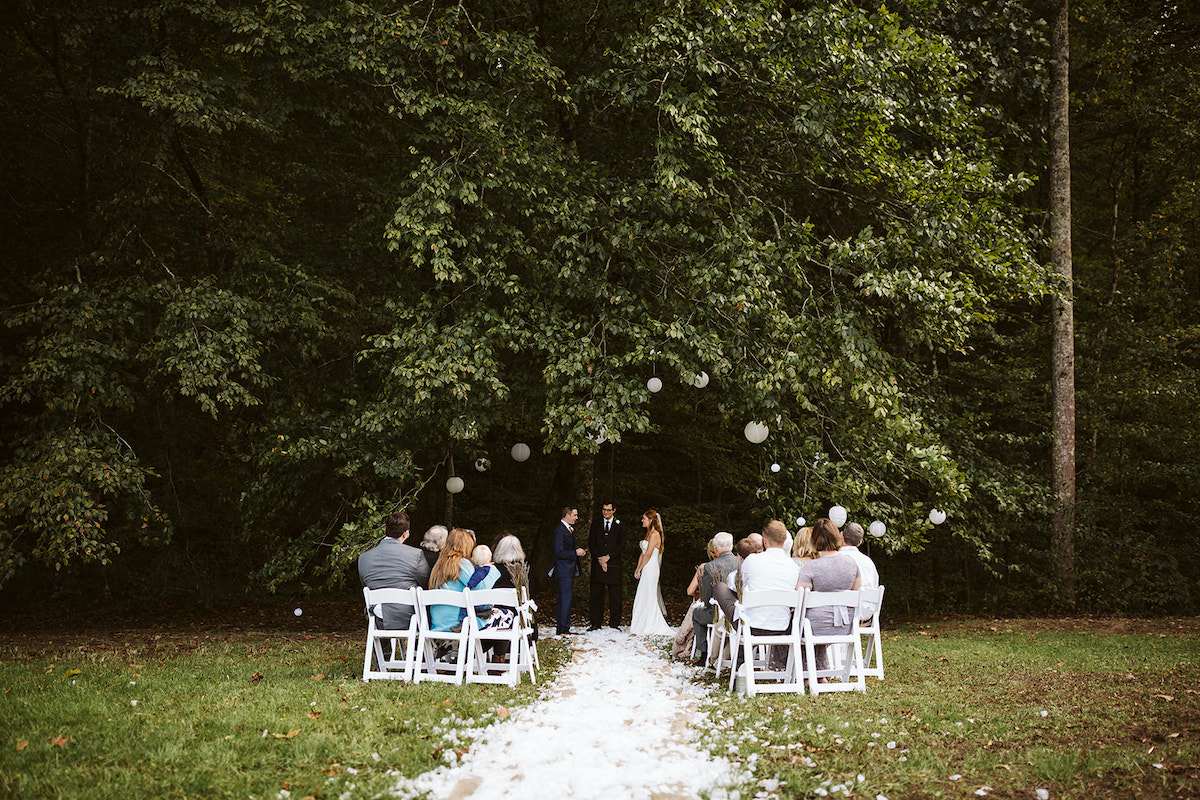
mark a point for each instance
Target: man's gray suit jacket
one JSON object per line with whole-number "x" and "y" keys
{"x": 391, "y": 564}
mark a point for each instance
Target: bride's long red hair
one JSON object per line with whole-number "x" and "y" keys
{"x": 656, "y": 525}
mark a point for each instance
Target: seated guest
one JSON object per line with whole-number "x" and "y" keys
{"x": 773, "y": 568}
{"x": 852, "y": 537}
{"x": 685, "y": 634}
{"x": 455, "y": 571}
{"x": 714, "y": 573}
{"x": 509, "y": 559}
{"x": 802, "y": 549}
{"x": 392, "y": 565}
{"x": 726, "y": 594}
{"x": 831, "y": 571}
{"x": 432, "y": 543}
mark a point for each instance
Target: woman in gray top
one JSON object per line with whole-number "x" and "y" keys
{"x": 830, "y": 571}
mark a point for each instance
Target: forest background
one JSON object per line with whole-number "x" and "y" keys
{"x": 273, "y": 269}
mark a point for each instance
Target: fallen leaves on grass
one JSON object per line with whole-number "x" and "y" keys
{"x": 292, "y": 734}
{"x": 256, "y": 677}
{"x": 320, "y": 676}
{"x": 21, "y": 745}
{"x": 501, "y": 712}
{"x": 314, "y": 714}
{"x": 1166, "y": 697}
{"x": 60, "y": 741}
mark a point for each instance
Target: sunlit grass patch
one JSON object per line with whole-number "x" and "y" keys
{"x": 1004, "y": 712}
{"x": 245, "y": 716}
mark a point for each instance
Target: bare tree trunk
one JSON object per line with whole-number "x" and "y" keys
{"x": 1063, "y": 333}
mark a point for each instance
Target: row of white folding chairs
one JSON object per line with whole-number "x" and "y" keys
{"x": 414, "y": 650}
{"x": 845, "y": 651}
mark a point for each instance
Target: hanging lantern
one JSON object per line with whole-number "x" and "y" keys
{"x": 482, "y": 464}
{"x": 654, "y": 385}
{"x": 454, "y": 484}
{"x": 701, "y": 380}
{"x": 520, "y": 451}
{"x": 837, "y": 515}
{"x": 775, "y": 468}
{"x": 877, "y": 529}
{"x": 755, "y": 432}
{"x": 800, "y": 522}
{"x": 937, "y": 516}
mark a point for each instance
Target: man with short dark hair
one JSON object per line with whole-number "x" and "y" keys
{"x": 566, "y": 565}
{"x": 607, "y": 545}
{"x": 391, "y": 564}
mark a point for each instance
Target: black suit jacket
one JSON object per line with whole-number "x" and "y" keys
{"x": 611, "y": 544}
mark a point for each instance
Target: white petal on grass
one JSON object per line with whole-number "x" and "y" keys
{"x": 1042, "y": 794}
{"x": 535, "y": 753}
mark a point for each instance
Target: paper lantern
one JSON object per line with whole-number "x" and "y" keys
{"x": 837, "y": 515}
{"x": 755, "y": 432}
{"x": 937, "y": 516}
{"x": 654, "y": 385}
{"x": 877, "y": 528}
{"x": 701, "y": 380}
{"x": 520, "y": 451}
{"x": 800, "y": 522}
{"x": 482, "y": 464}
{"x": 454, "y": 484}
{"x": 775, "y": 468}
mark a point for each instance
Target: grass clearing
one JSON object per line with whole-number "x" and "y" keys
{"x": 242, "y": 716}
{"x": 998, "y": 709}
{"x": 1082, "y": 709}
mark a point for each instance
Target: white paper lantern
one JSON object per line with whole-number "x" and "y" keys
{"x": 837, "y": 515}
{"x": 755, "y": 432}
{"x": 520, "y": 451}
{"x": 800, "y": 522}
{"x": 937, "y": 516}
{"x": 701, "y": 380}
{"x": 877, "y": 528}
{"x": 454, "y": 484}
{"x": 775, "y": 468}
{"x": 654, "y": 385}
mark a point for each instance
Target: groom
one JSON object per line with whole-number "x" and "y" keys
{"x": 607, "y": 543}
{"x": 566, "y": 565}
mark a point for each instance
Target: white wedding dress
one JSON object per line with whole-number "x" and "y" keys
{"x": 648, "y": 609}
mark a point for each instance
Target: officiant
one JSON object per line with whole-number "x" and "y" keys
{"x": 606, "y": 541}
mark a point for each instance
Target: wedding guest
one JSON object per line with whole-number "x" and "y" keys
{"x": 831, "y": 571}
{"x": 686, "y": 633}
{"x": 392, "y": 565}
{"x": 714, "y": 573}
{"x": 726, "y": 594}
{"x": 852, "y": 537}
{"x": 770, "y": 569}
{"x": 432, "y": 543}
{"x": 509, "y": 558}
{"x": 802, "y": 548}
{"x": 481, "y": 555}
{"x": 455, "y": 571}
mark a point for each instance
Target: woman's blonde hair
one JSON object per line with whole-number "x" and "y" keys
{"x": 803, "y": 546}
{"x": 458, "y": 545}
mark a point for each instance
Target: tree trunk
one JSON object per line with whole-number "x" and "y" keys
{"x": 1063, "y": 334}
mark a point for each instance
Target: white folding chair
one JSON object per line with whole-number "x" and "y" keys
{"x": 389, "y": 667}
{"x": 525, "y": 613}
{"x": 849, "y": 600}
{"x": 720, "y": 655}
{"x": 428, "y": 667}
{"x": 872, "y": 601}
{"x": 790, "y": 678}
{"x": 481, "y": 666}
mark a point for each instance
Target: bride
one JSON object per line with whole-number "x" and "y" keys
{"x": 648, "y": 607}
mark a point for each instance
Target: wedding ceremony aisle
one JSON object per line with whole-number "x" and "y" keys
{"x": 615, "y": 724}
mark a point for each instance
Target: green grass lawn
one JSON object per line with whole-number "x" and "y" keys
{"x": 1081, "y": 709}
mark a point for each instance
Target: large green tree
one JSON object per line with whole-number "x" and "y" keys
{"x": 318, "y": 251}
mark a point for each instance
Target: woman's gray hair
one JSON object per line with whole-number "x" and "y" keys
{"x": 435, "y": 537}
{"x": 508, "y": 551}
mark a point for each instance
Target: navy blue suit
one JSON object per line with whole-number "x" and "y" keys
{"x": 566, "y": 567}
